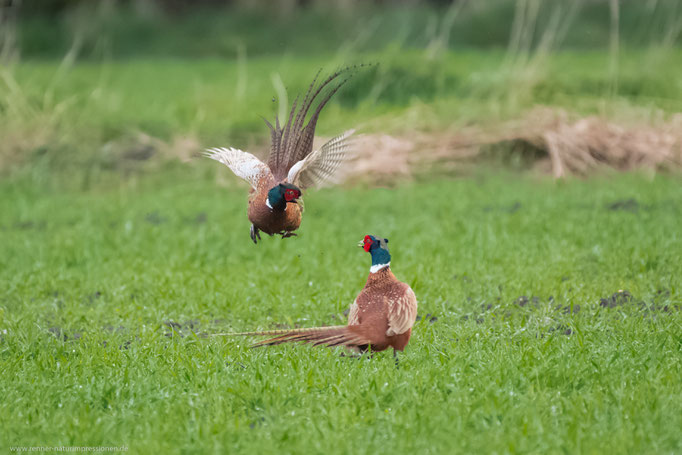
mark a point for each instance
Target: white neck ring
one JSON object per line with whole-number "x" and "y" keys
{"x": 267, "y": 202}
{"x": 377, "y": 267}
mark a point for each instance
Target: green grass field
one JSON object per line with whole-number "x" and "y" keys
{"x": 107, "y": 299}
{"x": 550, "y": 311}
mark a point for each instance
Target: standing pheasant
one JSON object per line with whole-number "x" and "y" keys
{"x": 382, "y": 315}
{"x": 275, "y": 204}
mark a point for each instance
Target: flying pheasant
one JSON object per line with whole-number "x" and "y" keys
{"x": 275, "y": 204}
{"x": 382, "y": 315}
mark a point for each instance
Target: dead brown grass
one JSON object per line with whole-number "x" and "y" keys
{"x": 557, "y": 142}
{"x": 585, "y": 145}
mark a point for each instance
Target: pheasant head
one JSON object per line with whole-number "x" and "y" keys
{"x": 281, "y": 194}
{"x": 378, "y": 248}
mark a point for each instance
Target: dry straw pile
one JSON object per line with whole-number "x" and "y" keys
{"x": 585, "y": 145}
{"x": 560, "y": 144}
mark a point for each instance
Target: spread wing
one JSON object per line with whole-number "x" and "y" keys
{"x": 243, "y": 164}
{"x": 321, "y": 165}
{"x": 402, "y": 312}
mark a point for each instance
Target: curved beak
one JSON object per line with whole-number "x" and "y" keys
{"x": 361, "y": 243}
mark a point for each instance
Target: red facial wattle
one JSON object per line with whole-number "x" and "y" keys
{"x": 368, "y": 243}
{"x": 290, "y": 195}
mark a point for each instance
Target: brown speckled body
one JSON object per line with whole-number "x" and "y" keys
{"x": 384, "y": 306}
{"x": 272, "y": 221}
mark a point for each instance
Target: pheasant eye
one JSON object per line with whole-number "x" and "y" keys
{"x": 368, "y": 243}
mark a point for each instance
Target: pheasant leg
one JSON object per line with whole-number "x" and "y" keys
{"x": 255, "y": 234}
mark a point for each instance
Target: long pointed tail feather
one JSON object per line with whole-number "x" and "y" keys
{"x": 257, "y": 333}
{"x": 339, "y": 335}
{"x": 295, "y": 141}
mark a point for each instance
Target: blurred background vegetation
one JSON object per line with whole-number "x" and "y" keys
{"x": 220, "y": 28}
{"x": 91, "y": 86}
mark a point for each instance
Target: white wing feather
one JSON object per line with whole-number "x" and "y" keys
{"x": 354, "y": 314}
{"x": 243, "y": 164}
{"x": 321, "y": 165}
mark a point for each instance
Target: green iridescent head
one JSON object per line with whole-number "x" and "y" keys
{"x": 279, "y": 195}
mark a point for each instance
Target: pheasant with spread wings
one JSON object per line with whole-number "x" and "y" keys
{"x": 275, "y": 204}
